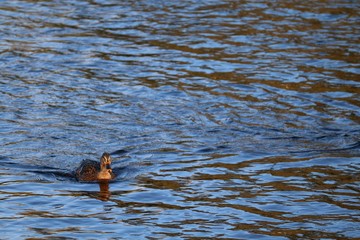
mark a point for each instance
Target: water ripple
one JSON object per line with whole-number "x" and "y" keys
{"x": 225, "y": 119}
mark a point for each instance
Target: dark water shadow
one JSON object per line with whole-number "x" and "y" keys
{"x": 350, "y": 148}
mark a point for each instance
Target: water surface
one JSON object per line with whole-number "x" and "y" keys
{"x": 228, "y": 119}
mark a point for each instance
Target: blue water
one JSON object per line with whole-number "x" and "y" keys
{"x": 225, "y": 119}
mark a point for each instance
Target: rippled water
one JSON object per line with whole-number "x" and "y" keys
{"x": 226, "y": 119}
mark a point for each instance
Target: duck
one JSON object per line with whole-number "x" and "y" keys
{"x": 93, "y": 171}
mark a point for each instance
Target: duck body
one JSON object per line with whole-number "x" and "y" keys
{"x": 93, "y": 171}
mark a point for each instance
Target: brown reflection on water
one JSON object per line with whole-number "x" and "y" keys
{"x": 104, "y": 193}
{"x": 283, "y": 194}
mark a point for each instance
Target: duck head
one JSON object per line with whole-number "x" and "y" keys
{"x": 105, "y": 162}
{"x": 105, "y": 167}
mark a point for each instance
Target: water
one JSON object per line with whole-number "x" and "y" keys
{"x": 228, "y": 119}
